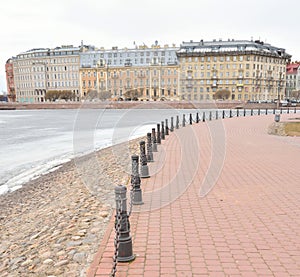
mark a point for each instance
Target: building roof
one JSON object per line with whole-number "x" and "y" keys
{"x": 231, "y": 46}
{"x": 292, "y": 68}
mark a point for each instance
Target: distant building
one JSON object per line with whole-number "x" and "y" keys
{"x": 40, "y": 70}
{"x": 10, "y": 81}
{"x": 149, "y": 73}
{"x": 248, "y": 70}
{"x": 196, "y": 71}
{"x": 292, "y": 79}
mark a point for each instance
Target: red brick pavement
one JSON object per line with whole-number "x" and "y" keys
{"x": 223, "y": 201}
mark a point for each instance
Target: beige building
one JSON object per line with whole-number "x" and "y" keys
{"x": 40, "y": 70}
{"x": 247, "y": 70}
{"x": 138, "y": 73}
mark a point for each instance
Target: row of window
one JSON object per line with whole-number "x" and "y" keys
{"x": 136, "y": 73}
{"x": 233, "y": 89}
{"x": 233, "y": 59}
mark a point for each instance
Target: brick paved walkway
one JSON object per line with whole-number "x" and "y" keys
{"x": 223, "y": 201}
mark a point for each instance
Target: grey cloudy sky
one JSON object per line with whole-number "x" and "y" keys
{"x": 35, "y": 23}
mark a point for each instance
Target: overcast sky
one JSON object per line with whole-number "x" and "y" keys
{"x": 50, "y": 23}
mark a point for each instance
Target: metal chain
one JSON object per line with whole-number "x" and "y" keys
{"x": 131, "y": 195}
{"x": 117, "y": 237}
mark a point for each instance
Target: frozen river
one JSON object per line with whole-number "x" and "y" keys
{"x": 33, "y": 142}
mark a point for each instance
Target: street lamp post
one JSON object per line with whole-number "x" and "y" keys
{"x": 278, "y": 90}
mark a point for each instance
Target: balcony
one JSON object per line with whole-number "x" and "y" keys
{"x": 239, "y": 85}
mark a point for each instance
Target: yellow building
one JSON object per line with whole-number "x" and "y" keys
{"x": 141, "y": 73}
{"x": 246, "y": 70}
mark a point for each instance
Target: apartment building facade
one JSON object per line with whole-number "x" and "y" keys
{"x": 148, "y": 73}
{"x": 40, "y": 70}
{"x": 195, "y": 71}
{"x": 248, "y": 70}
{"x": 292, "y": 79}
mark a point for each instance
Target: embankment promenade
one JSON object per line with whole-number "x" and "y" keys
{"x": 222, "y": 200}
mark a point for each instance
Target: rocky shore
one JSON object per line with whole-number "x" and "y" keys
{"x": 54, "y": 224}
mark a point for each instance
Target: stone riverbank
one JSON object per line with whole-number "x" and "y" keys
{"x": 54, "y": 224}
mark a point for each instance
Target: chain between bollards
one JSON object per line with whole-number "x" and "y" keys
{"x": 117, "y": 236}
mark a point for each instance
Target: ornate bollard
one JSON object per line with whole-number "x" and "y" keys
{"x": 197, "y": 118}
{"x": 183, "y": 120}
{"x": 258, "y": 111}
{"x": 295, "y": 111}
{"x": 230, "y": 113}
{"x": 217, "y": 114}
{"x": 143, "y": 161}
{"x": 288, "y": 110}
{"x": 223, "y": 114}
{"x": 158, "y": 140}
{"x": 122, "y": 227}
{"x": 280, "y": 110}
{"x": 274, "y": 111}
{"x": 266, "y": 111}
{"x": 210, "y": 116}
{"x": 136, "y": 182}
{"x": 251, "y": 112}
{"x": 172, "y": 124}
{"x": 203, "y": 119}
{"x": 237, "y": 112}
{"x": 244, "y": 112}
{"x": 177, "y": 121}
{"x": 167, "y": 128}
{"x": 191, "y": 119}
{"x": 163, "y": 130}
{"x": 149, "y": 148}
{"x": 154, "y": 144}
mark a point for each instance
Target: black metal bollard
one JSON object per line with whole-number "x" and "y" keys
{"x": 251, "y": 112}
{"x": 143, "y": 161}
{"x": 122, "y": 226}
{"x": 163, "y": 130}
{"x": 266, "y": 111}
{"x": 136, "y": 181}
{"x": 230, "y": 113}
{"x": 244, "y": 112}
{"x": 280, "y": 110}
{"x": 295, "y": 111}
{"x": 288, "y": 110}
{"x": 223, "y": 114}
{"x": 172, "y": 124}
{"x": 237, "y": 113}
{"x": 258, "y": 111}
{"x": 191, "y": 119}
{"x": 149, "y": 148}
{"x": 183, "y": 120}
{"x": 154, "y": 144}
{"x": 158, "y": 140}
{"x": 274, "y": 111}
{"x": 197, "y": 118}
{"x": 210, "y": 116}
{"x": 167, "y": 128}
{"x": 177, "y": 121}
{"x": 203, "y": 119}
{"x": 217, "y": 114}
